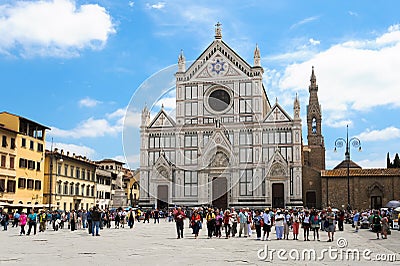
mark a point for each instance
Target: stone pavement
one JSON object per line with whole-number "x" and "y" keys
{"x": 156, "y": 244}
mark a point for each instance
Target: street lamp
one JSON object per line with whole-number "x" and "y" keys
{"x": 356, "y": 143}
{"x": 51, "y": 172}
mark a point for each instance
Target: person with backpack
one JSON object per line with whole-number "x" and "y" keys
{"x": 376, "y": 223}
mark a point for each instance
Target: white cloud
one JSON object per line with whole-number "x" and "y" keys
{"x": 385, "y": 134}
{"x": 72, "y": 148}
{"x": 132, "y": 161}
{"x": 350, "y": 74}
{"x": 352, "y": 13}
{"x": 159, "y": 5}
{"x": 59, "y": 28}
{"x": 314, "y": 42}
{"x": 88, "y": 102}
{"x": 131, "y": 4}
{"x": 304, "y": 21}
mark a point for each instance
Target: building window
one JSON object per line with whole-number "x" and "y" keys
{"x": 38, "y": 185}
{"x": 190, "y": 157}
{"x": 30, "y": 184}
{"x": 246, "y": 138}
{"x": 83, "y": 174}
{"x": 72, "y": 171}
{"x": 23, "y": 163}
{"x": 31, "y": 164}
{"x": 23, "y": 143}
{"x": 21, "y": 183}
{"x": 191, "y": 92}
{"x": 92, "y": 191}
{"x": 12, "y": 164}
{"x": 59, "y": 188}
{"x": 31, "y": 145}
{"x": 191, "y": 109}
{"x": 83, "y": 191}
{"x": 314, "y": 125}
{"x": 3, "y": 161}
{"x": 245, "y": 89}
{"x": 66, "y": 188}
{"x": 246, "y": 182}
{"x": 66, "y": 169}
{"x": 190, "y": 183}
{"x": 291, "y": 182}
{"x": 78, "y": 173}
{"x": 59, "y": 169}
{"x": 11, "y": 186}
{"x": 77, "y": 189}
{"x": 190, "y": 140}
{"x": 2, "y": 185}
{"x": 88, "y": 190}
{"x": 245, "y": 106}
{"x": 12, "y": 143}
{"x": 246, "y": 155}
{"x": 40, "y": 147}
{"x": 4, "y": 141}
{"x": 71, "y": 189}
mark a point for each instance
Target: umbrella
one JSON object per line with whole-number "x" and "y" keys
{"x": 393, "y": 204}
{"x": 335, "y": 210}
{"x": 397, "y": 209}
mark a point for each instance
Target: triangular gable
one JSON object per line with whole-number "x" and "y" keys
{"x": 277, "y": 114}
{"x": 217, "y": 141}
{"x": 218, "y": 66}
{"x": 218, "y": 48}
{"x": 163, "y": 166}
{"x": 162, "y": 119}
{"x": 277, "y": 165}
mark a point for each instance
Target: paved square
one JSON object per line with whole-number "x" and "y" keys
{"x": 156, "y": 244}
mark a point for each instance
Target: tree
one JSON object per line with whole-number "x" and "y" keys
{"x": 396, "y": 161}
{"x": 388, "y": 163}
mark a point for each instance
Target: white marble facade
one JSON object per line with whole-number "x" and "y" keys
{"x": 227, "y": 145}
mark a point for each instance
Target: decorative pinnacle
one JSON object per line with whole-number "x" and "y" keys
{"x": 218, "y": 31}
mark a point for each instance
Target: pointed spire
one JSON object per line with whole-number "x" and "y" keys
{"x": 296, "y": 107}
{"x": 218, "y": 32}
{"x": 181, "y": 62}
{"x": 313, "y": 78}
{"x": 257, "y": 56}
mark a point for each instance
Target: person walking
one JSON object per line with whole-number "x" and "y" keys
{"x": 22, "y": 222}
{"x": 16, "y": 219}
{"x": 156, "y": 216}
{"x": 385, "y": 226}
{"x": 356, "y": 218}
{"x": 131, "y": 218}
{"x": 32, "y": 218}
{"x": 341, "y": 220}
{"x": 195, "y": 222}
{"x": 179, "y": 216}
{"x": 96, "y": 218}
{"x": 84, "y": 219}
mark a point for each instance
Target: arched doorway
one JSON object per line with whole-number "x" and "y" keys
{"x": 220, "y": 192}
{"x": 162, "y": 197}
{"x": 278, "y": 196}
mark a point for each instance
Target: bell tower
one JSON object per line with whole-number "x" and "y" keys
{"x": 314, "y": 115}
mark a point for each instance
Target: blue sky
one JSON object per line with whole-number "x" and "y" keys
{"x": 74, "y": 65}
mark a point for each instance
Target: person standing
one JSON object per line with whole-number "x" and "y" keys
{"x": 315, "y": 224}
{"x": 330, "y": 217}
{"x": 22, "y": 222}
{"x": 16, "y": 219}
{"x": 341, "y": 220}
{"x": 179, "y": 215}
{"x": 306, "y": 223}
{"x": 243, "y": 219}
{"x": 234, "y": 218}
{"x": 376, "y": 223}
{"x": 266, "y": 225}
{"x": 131, "y": 218}
{"x": 156, "y": 216}
{"x": 227, "y": 223}
{"x": 195, "y": 222}
{"x": 32, "y": 218}
{"x": 286, "y": 225}
{"x": 96, "y": 217}
{"x": 279, "y": 223}
{"x": 210, "y": 219}
{"x": 73, "y": 219}
{"x": 89, "y": 220}
{"x": 84, "y": 219}
{"x": 4, "y": 220}
{"x": 257, "y": 224}
{"x": 42, "y": 221}
{"x": 356, "y": 217}
{"x": 295, "y": 224}
{"x": 218, "y": 223}
{"x": 385, "y": 226}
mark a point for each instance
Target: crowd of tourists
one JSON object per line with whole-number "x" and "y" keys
{"x": 93, "y": 220}
{"x": 288, "y": 223}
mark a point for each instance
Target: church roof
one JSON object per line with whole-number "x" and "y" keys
{"x": 343, "y": 164}
{"x": 373, "y": 172}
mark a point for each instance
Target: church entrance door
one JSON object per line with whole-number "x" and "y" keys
{"x": 278, "y": 196}
{"x": 220, "y": 192}
{"x": 162, "y": 197}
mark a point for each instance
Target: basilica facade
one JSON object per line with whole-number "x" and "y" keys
{"x": 226, "y": 145}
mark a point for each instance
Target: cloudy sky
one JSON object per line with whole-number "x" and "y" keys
{"x": 75, "y": 65}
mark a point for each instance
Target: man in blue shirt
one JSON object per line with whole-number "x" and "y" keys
{"x": 356, "y": 217}
{"x": 32, "y": 217}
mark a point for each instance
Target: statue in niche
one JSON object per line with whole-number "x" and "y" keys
{"x": 219, "y": 160}
{"x": 163, "y": 172}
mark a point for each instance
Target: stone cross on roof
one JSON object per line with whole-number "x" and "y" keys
{"x": 218, "y": 33}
